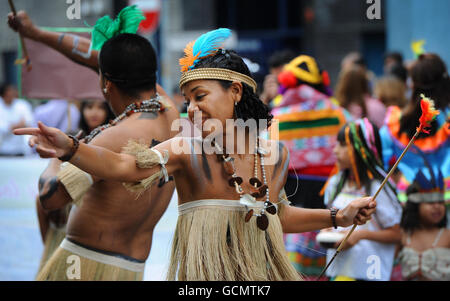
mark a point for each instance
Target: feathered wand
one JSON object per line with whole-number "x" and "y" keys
{"x": 429, "y": 113}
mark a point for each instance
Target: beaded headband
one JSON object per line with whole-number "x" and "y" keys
{"x": 428, "y": 189}
{"x": 426, "y": 197}
{"x": 216, "y": 73}
{"x": 204, "y": 46}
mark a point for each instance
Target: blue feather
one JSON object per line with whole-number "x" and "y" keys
{"x": 423, "y": 181}
{"x": 440, "y": 182}
{"x": 209, "y": 42}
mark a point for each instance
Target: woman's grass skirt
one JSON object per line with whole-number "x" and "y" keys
{"x": 214, "y": 242}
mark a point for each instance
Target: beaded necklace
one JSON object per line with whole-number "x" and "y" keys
{"x": 258, "y": 189}
{"x": 149, "y": 105}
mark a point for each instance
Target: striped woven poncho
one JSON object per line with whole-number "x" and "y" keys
{"x": 309, "y": 122}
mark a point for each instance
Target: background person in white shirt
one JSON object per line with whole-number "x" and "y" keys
{"x": 368, "y": 254}
{"x": 14, "y": 113}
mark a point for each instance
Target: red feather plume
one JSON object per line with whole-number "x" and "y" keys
{"x": 429, "y": 113}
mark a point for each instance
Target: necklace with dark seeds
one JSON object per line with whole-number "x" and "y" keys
{"x": 149, "y": 105}
{"x": 258, "y": 189}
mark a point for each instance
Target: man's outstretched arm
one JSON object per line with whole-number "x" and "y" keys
{"x": 74, "y": 47}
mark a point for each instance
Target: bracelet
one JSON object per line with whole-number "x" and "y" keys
{"x": 333, "y": 212}
{"x": 60, "y": 38}
{"x": 72, "y": 151}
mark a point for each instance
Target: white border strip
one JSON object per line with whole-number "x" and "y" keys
{"x": 102, "y": 258}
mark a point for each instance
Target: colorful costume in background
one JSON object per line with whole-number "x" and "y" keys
{"x": 354, "y": 263}
{"x": 309, "y": 121}
{"x": 435, "y": 149}
{"x": 433, "y": 263}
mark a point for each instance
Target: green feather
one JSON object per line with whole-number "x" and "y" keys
{"x": 105, "y": 28}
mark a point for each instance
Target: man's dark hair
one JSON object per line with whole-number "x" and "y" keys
{"x": 250, "y": 106}
{"x": 129, "y": 61}
{"x": 281, "y": 58}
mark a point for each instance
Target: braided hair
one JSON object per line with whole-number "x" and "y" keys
{"x": 250, "y": 106}
{"x": 363, "y": 138}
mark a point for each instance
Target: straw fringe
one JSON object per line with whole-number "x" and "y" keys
{"x": 145, "y": 158}
{"x": 216, "y": 244}
{"x": 53, "y": 239}
{"x": 76, "y": 181}
{"x": 57, "y": 268}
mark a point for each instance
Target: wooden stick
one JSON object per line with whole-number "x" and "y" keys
{"x": 341, "y": 245}
{"x": 26, "y": 58}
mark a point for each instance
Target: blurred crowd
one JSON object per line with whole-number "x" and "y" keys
{"x": 70, "y": 116}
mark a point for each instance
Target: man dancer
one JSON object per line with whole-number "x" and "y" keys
{"x": 109, "y": 230}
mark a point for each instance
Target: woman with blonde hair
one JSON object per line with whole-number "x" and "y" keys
{"x": 391, "y": 91}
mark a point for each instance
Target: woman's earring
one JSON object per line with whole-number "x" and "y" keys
{"x": 236, "y": 110}
{"x": 105, "y": 90}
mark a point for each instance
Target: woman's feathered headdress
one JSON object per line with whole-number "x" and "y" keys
{"x": 206, "y": 45}
{"x": 424, "y": 189}
{"x": 105, "y": 28}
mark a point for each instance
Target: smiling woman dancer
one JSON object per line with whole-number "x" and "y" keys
{"x": 220, "y": 194}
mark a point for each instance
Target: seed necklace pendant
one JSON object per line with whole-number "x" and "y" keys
{"x": 149, "y": 105}
{"x": 259, "y": 189}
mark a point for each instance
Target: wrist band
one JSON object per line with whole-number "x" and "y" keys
{"x": 72, "y": 151}
{"x": 333, "y": 212}
{"x": 84, "y": 55}
{"x": 60, "y": 38}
